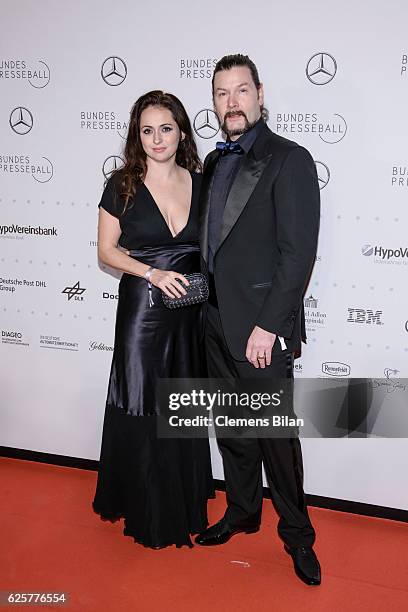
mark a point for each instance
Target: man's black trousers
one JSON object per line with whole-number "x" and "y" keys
{"x": 243, "y": 457}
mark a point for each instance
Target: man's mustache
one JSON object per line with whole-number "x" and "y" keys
{"x": 234, "y": 114}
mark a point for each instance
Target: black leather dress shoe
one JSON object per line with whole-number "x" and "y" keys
{"x": 221, "y": 532}
{"x": 306, "y": 564}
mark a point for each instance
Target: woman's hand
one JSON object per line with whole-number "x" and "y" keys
{"x": 169, "y": 282}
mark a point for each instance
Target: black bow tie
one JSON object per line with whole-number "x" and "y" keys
{"x": 229, "y": 147}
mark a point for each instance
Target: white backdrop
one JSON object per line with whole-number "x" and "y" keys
{"x": 336, "y": 81}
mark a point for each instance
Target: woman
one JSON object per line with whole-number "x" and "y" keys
{"x": 150, "y": 209}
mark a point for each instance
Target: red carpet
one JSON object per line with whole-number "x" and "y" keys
{"x": 52, "y": 541}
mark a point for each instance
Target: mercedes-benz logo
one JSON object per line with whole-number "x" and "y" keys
{"x": 321, "y": 68}
{"x": 74, "y": 291}
{"x": 21, "y": 120}
{"x": 323, "y": 174}
{"x": 113, "y": 71}
{"x": 111, "y": 163}
{"x": 206, "y": 124}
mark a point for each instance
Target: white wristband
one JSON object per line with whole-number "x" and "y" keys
{"x": 148, "y": 273}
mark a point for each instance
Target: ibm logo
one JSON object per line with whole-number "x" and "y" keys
{"x": 360, "y": 315}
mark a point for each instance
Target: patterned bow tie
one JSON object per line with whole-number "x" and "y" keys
{"x": 229, "y": 147}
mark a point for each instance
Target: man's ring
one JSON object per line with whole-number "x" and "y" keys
{"x": 260, "y": 357}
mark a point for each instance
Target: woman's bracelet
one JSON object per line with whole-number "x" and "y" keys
{"x": 148, "y": 273}
{"x": 147, "y": 276}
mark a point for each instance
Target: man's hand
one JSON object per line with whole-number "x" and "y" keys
{"x": 259, "y": 347}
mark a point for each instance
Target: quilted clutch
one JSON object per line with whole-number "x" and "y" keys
{"x": 197, "y": 292}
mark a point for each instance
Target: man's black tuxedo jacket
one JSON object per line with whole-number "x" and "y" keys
{"x": 268, "y": 241}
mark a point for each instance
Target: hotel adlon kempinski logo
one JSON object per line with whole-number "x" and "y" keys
{"x": 315, "y": 318}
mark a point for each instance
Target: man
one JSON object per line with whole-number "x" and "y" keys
{"x": 259, "y": 220}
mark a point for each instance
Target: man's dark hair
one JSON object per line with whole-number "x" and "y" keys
{"x": 230, "y": 61}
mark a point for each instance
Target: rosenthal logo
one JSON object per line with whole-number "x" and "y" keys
{"x": 321, "y": 68}
{"x": 361, "y": 315}
{"x": 336, "y": 368}
{"x": 113, "y": 71}
{"x": 74, "y": 292}
{"x": 21, "y": 120}
{"x": 206, "y": 124}
{"x": 310, "y": 302}
{"x": 323, "y": 174}
{"x": 111, "y": 163}
{"x": 390, "y": 373}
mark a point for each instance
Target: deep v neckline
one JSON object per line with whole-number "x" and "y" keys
{"x": 174, "y": 236}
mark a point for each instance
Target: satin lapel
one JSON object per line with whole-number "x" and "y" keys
{"x": 241, "y": 190}
{"x": 205, "y": 196}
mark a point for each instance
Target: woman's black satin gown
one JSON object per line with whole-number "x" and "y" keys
{"x": 159, "y": 486}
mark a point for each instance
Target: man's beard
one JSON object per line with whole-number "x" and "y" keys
{"x": 236, "y": 131}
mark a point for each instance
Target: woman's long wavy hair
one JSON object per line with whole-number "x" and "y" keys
{"x": 133, "y": 172}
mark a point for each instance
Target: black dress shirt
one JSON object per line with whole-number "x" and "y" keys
{"x": 224, "y": 175}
